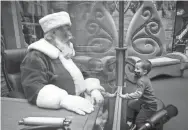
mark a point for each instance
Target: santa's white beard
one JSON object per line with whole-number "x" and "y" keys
{"x": 60, "y": 44}
{"x": 64, "y": 47}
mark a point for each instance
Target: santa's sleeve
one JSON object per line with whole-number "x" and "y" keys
{"x": 93, "y": 84}
{"x": 35, "y": 82}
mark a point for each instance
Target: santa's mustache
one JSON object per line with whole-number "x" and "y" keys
{"x": 70, "y": 39}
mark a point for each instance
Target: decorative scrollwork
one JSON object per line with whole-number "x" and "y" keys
{"x": 109, "y": 64}
{"x": 129, "y": 72}
{"x": 135, "y": 5}
{"x": 92, "y": 27}
{"x": 99, "y": 14}
{"x": 145, "y": 38}
{"x": 147, "y": 13}
{"x": 110, "y": 6}
{"x": 95, "y": 30}
{"x": 152, "y": 27}
{"x": 99, "y": 45}
{"x": 147, "y": 45}
{"x": 126, "y": 5}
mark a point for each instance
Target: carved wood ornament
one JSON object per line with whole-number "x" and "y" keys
{"x": 146, "y": 36}
{"x": 95, "y": 31}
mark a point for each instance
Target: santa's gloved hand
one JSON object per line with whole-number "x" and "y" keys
{"x": 77, "y": 104}
{"x": 97, "y": 97}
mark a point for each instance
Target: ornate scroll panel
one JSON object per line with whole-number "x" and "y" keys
{"x": 145, "y": 35}
{"x": 95, "y": 31}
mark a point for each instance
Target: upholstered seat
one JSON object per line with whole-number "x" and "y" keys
{"x": 163, "y": 61}
{"x": 12, "y": 60}
{"x": 160, "y": 66}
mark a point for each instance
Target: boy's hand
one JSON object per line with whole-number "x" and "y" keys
{"x": 122, "y": 95}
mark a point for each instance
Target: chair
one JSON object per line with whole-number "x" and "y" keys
{"x": 146, "y": 40}
{"x": 12, "y": 60}
{"x": 4, "y": 87}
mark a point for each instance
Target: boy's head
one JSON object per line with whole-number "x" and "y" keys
{"x": 142, "y": 67}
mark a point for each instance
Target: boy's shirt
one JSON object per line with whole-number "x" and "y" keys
{"x": 144, "y": 93}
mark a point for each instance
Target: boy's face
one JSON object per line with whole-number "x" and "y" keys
{"x": 139, "y": 71}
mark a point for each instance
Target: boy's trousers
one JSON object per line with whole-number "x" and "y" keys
{"x": 138, "y": 113}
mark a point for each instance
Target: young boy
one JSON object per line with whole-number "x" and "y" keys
{"x": 143, "y": 100}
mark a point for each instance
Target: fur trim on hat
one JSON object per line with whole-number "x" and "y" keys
{"x": 54, "y": 20}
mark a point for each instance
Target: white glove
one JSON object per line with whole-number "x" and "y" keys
{"x": 77, "y": 104}
{"x": 96, "y": 97}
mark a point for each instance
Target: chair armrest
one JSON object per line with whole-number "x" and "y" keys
{"x": 86, "y": 63}
{"x": 132, "y": 60}
{"x": 182, "y": 57}
{"x": 109, "y": 63}
{"x": 109, "y": 68}
{"x": 16, "y": 94}
{"x": 129, "y": 68}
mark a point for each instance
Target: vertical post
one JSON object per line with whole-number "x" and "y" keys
{"x": 120, "y": 63}
{"x": 120, "y": 50}
{"x": 173, "y": 38}
{"x": 45, "y": 7}
{"x": 11, "y": 21}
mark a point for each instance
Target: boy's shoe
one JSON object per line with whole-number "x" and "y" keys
{"x": 129, "y": 123}
{"x": 133, "y": 127}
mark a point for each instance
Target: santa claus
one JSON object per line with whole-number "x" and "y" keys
{"x": 50, "y": 78}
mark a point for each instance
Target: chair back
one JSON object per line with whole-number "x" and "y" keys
{"x": 145, "y": 35}
{"x": 12, "y": 60}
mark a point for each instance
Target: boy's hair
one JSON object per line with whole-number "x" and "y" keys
{"x": 146, "y": 65}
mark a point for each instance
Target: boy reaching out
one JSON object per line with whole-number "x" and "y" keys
{"x": 143, "y": 100}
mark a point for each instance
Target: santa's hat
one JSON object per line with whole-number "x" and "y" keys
{"x": 54, "y": 20}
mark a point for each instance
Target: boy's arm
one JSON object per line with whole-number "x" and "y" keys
{"x": 107, "y": 94}
{"x": 137, "y": 94}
